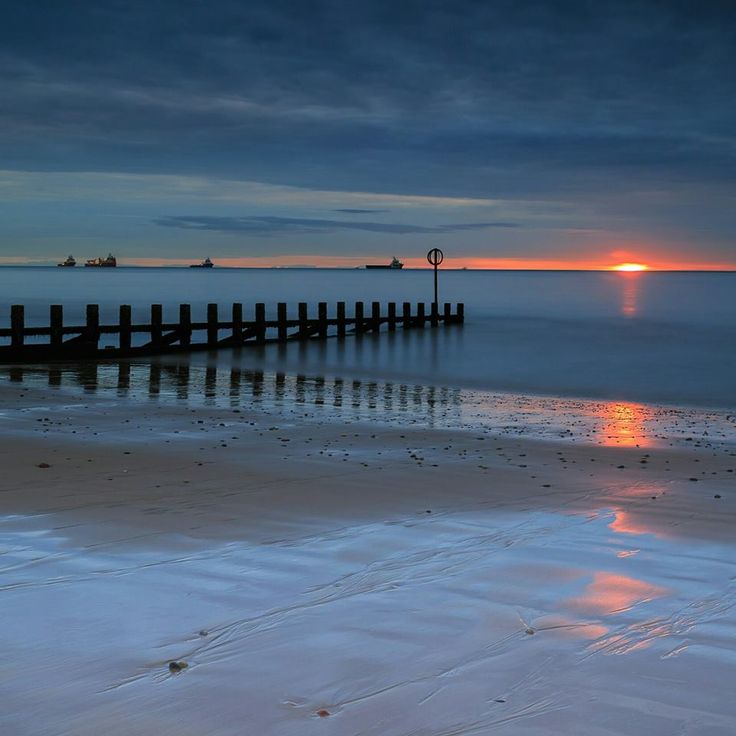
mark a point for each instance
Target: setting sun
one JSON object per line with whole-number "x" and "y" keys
{"x": 630, "y": 267}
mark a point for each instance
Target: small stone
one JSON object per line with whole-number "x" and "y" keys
{"x": 204, "y": 633}
{"x": 694, "y": 479}
{"x": 718, "y": 495}
{"x": 529, "y": 631}
{"x": 175, "y": 667}
{"x": 323, "y": 713}
{"x": 44, "y": 465}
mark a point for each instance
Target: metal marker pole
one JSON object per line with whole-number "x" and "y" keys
{"x": 435, "y": 257}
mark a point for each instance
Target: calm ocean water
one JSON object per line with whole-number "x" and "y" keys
{"x": 656, "y": 337}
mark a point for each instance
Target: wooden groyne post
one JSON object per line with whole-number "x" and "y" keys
{"x": 20, "y": 343}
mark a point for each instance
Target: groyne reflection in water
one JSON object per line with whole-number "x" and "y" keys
{"x": 208, "y": 385}
{"x": 348, "y": 398}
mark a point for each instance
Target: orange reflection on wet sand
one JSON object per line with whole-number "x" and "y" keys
{"x": 625, "y": 523}
{"x": 639, "y": 520}
{"x": 623, "y": 425}
{"x": 610, "y": 593}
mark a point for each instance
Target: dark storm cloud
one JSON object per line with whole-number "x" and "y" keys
{"x": 464, "y": 98}
{"x": 461, "y": 85}
{"x": 254, "y": 225}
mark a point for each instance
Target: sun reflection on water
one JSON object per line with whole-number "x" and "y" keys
{"x": 630, "y": 295}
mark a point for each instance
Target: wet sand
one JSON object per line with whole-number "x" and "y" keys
{"x": 349, "y": 577}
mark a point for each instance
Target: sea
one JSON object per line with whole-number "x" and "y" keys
{"x": 666, "y": 338}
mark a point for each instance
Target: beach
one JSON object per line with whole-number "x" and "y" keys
{"x": 367, "y": 369}
{"x": 341, "y": 569}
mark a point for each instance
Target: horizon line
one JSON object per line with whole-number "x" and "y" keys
{"x": 609, "y": 260}
{"x": 310, "y": 267}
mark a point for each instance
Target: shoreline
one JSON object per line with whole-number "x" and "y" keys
{"x": 612, "y": 336}
{"x": 317, "y": 398}
{"x": 199, "y": 361}
{"x": 399, "y": 578}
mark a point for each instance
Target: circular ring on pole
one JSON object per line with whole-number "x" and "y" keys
{"x": 435, "y": 257}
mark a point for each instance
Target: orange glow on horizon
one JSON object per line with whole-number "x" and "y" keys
{"x": 630, "y": 267}
{"x": 450, "y": 262}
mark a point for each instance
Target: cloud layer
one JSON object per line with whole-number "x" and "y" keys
{"x": 602, "y": 106}
{"x": 269, "y": 225}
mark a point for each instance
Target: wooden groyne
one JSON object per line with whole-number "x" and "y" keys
{"x": 32, "y": 344}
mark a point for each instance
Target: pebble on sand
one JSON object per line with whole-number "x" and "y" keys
{"x": 175, "y": 667}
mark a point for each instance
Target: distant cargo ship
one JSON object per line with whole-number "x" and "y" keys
{"x": 68, "y": 263}
{"x": 109, "y": 262}
{"x": 395, "y": 264}
{"x": 206, "y": 263}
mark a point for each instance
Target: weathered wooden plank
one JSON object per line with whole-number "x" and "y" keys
{"x": 303, "y": 321}
{"x": 341, "y": 324}
{"x": 322, "y": 319}
{"x": 434, "y": 316}
{"x": 157, "y": 320}
{"x": 17, "y": 325}
{"x": 375, "y": 316}
{"x": 420, "y": 315}
{"x": 281, "y": 320}
{"x": 260, "y": 326}
{"x": 168, "y": 338}
{"x": 125, "y": 319}
{"x": 392, "y": 316}
{"x": 406, "y": 315}
{"x": 56, "y": 326}
{"x": 92, "y": 330}
{"x": 185, "y": 325}
{"x": 237, "y": 325}
{"x": 212, "y": 326}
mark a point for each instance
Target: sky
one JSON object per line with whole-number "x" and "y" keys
{"x": 329, "y": 132}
